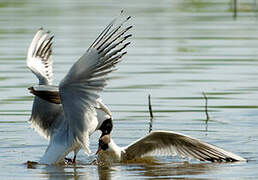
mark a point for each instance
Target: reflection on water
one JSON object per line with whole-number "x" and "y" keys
{"x": 132, "y": 171}
{"x": 59, "y": 172}
{"x": 121, "y": 170}
{"x": 180, "y": 49}
{"x": 175, "y": 169}
{"x": 104, "y": 172}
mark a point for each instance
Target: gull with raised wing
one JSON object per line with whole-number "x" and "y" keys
{"x": 46, "y": 117}
{"x": 70, "y": 113}
{"x": 163, "y": 143}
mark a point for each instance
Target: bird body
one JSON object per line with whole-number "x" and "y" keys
{"x": 163, "y": 143}
{"x": 69, "y": 113}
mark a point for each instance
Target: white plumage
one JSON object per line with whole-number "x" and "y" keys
{"x": 45, "y": 116}
{"x": 82, "y": 112}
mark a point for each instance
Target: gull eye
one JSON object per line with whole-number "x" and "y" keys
{"x": 105, "y": 147}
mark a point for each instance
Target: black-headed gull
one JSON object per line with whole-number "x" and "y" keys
{"x": 68, "y": 125}
{"x": 163, "y": 143}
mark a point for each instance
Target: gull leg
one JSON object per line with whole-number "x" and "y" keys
{"x": 74, "y": 159}
{"x": 75, "y": 151}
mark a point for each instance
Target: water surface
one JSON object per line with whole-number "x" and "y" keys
{"x": 179, "y": 50}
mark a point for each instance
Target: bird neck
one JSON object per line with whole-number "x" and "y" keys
{"x": 112, "y": 154}
{"x": 112, "y": 147}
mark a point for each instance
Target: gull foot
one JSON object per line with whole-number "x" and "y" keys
{"x": 31, "y": 164}
{"x": 68, "y": 161}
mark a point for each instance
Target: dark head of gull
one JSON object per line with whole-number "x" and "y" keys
{"x": 103, "y": 143}
{"x": 106, "y": 127}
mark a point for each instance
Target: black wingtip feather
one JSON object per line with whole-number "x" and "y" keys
{"x": 127, "y": 36}
{"x": 129, "y": 27}
{"x": 126, "y": 45}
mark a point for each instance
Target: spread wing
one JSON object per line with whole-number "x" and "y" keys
{"x": 172, "y": 143}
{"x": 79, "y": 90}
{"x": 39, "y": 57}
{"x": 45, "y": 116}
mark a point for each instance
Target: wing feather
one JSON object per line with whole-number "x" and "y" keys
{"x": 46, "y": 92}
{"x": 179, "y": 144}
{"x": 79, "y": 90}
{"x": 45, "y": 116}
{"x": 39, "y": 59}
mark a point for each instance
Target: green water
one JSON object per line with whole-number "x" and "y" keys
{"x": 179, "y": 50}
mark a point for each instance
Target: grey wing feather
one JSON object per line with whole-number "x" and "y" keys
{"x": 47, "y": 119}
{"x": 171, "y": 143}
{"x": 80, "y": 88}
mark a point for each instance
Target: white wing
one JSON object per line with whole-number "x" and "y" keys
{"x": 172, "y": 143}
{"x": 39, "y": 57}
{"x": 80, "y": 88}
{"x": 45, "y": 116}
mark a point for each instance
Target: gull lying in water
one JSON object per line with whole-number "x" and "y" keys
{"x": 163, "y": 143}
{"x": 70, "y": 113}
